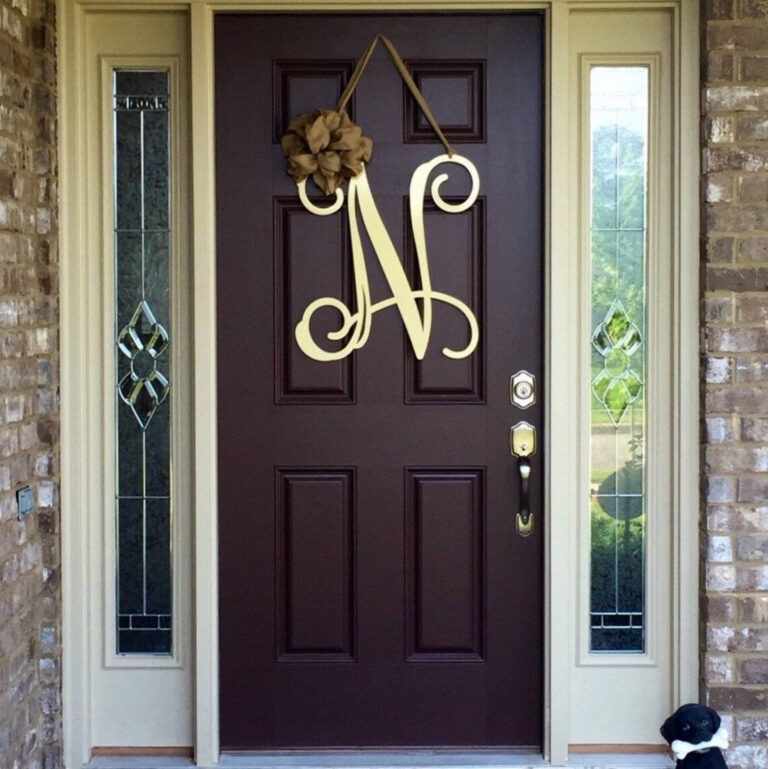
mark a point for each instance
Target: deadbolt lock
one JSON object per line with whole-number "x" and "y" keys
{"x": 522, "y": 389}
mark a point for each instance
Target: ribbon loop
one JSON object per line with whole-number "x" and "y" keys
{"x": 404, "y": 74}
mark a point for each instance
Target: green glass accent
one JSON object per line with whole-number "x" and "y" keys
{"x": 601, "y": 341}
{"x": 623, "y": 334}
{"x": 616, "y": 362}
{"x": 617, "y": 400}
{"x": 616, "y": 339}
{"x": 600, "y": 384}
{"x": 616, "y": 324}
{"x": 634, "y": 385}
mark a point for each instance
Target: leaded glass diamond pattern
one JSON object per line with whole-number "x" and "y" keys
{"x": 616, "y": 339}
{"x": 143, "y": 341}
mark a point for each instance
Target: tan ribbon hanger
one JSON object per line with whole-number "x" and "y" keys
{"x": 403, "y": 70}
{"x": 328, "y": 146}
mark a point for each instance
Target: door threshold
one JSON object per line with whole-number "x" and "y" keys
{"x": 352, "y": 759}
{"x": 436, "y": 759}
{"x": 381, "y": 760}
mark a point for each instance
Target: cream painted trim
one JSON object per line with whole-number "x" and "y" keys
{"x": 206, "y": 488}
{"x": 367, "y": 5}
{"x": 562, "y": 344}
{"x": 685, "y": 360}
{"x": 88, "y": 399}
{"x": 600, "y": 682}
{"x": 562, "y": 334}
{"x": 75, "y": 462}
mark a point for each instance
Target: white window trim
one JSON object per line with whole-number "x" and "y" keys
{"x": 563, "y": 488}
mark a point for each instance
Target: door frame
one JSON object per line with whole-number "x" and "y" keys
{"x": 562, "y": 361}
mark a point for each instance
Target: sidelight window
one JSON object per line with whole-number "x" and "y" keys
{"x": 618, "y": 130}
{"x": 142, "y": 361}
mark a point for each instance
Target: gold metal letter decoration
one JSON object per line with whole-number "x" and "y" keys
{"x": 418, "y": 321}
{"x": 331, "y": 149}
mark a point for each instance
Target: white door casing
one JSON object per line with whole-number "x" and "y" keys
{"x": 94, "y": 34}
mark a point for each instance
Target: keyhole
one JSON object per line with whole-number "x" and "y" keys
{"x": 523, "y": 390}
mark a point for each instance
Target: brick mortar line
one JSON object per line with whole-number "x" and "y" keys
{"x": 727, "y": 625}
{"x": 733, "y": 444}
{"x": 713, "y": 387}
{"x": 735, "y": 21}
{"x": 735, "y": 173}
{"x": 739, "y": 565}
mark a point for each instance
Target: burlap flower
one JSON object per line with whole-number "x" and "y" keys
{"x": 327, "y": 146}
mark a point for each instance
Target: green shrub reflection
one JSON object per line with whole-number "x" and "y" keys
{"x": 617, "y": 575}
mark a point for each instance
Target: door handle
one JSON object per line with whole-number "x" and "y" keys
{"x": 522, "y": 443}
{"x": 524, "y": 516}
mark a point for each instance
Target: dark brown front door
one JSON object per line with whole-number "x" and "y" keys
{"x": 374, "y": 590}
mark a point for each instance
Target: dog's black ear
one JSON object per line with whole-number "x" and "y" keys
{"x": 714, "y": 718}
{"x": 667, "y": 731}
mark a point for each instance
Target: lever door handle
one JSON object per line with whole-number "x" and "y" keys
{"x": 522, "y": 443}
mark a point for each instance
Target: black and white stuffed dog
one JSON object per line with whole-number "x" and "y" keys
{"x": 696, "y": 737}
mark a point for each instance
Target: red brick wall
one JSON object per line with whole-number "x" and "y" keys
{"x": 735, "y": 347}
{"x": 30, "y": 732}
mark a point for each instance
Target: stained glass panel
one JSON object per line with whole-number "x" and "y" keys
{"x": 142, "y": 361}
{"x": 618, "y": 120}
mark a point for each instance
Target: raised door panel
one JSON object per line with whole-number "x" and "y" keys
{"x": 445, "y": 549}
{"x": 302, "y": 272}
{"x": 458, "y": 268}
{"x": 315, "y": 512}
